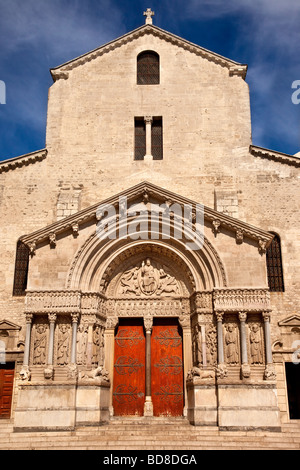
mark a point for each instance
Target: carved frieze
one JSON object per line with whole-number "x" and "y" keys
{"x": 150, "y": 307}
{"x": 239, "y": 300}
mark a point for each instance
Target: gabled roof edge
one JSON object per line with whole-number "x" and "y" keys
{"x": 217, "y": 219}
{"x": 276, "y": 156}
{"x": 23, "y": 160}
{"x": 235, "y": 68}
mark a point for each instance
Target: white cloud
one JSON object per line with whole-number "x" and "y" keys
{"x": 60, "y": 26}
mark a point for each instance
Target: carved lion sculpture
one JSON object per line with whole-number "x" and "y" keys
{"x": 94, "y": 374}
{"x": 201, "y": 373}
{"x": 25, "y": 374}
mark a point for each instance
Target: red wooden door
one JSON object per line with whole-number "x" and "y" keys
{"x": 6, "y": 389}
{"x": 166, "y": 368}
{"x": 129, "y": 369}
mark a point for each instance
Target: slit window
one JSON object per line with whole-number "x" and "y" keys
{"x": 274, "y": 266}
{"x": 21, "y": 269}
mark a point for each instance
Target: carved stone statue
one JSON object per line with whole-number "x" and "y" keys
{"x": 148, "y": 279}
{"x": 63, "y": 345}
{"x": 93, "y": 375}
{"x": 202, "y": 374}
{"x": 197, "y": 347}
{"x": 25, "y": 373}
{"x": 81, "y": 344}
{"x": 232, "y": 354}
{"x": 39, "y": 346}
{"x": 256, "y": 345}
{"x": 96, "y": 346}
{"x": 211, "y": 345}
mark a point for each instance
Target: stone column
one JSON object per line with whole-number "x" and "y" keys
{"x": 270, "y": 373}
{"x": 185, "y": 323}
{"x": 245, "y": 368}
{"x": 221, "y": 368}
{"x": 29, "y": 318}
{"x": 48, "y": 372}
{"x": 203, "y": 343}
{"x": 89, "y": 346}
{"x": 75, "y": 318}
{"x": 109, "y": 343}
{"x": 148, "y": 407}
{"x": 148, "y": 122}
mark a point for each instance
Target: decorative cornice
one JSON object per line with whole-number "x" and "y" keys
{"x": 23, "y": 160}
{"x": 235, "y": 69}
{"x": 242, "y": 300}
{"x": 63, "y": 302}
{"x": 262, "y": 237}
{"x": 275, "y": 156}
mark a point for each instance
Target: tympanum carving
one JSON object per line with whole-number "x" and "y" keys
{"x": 150, "y": 278}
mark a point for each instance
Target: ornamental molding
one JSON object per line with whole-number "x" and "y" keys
{"x": 96, "y": 305}
{"x": 146, "y": 193}
{"x": 23, "y": 160}
{"x": 275, "y": 156}
{"x": 249, "y": 300}
{"x": 64, "y": 302}
{"x": 234, "y": 68}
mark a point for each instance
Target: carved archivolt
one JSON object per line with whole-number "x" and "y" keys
{"x": 97, "y": 260}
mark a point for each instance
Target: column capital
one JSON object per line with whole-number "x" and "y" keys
{"x": 52, "y": 317}
{"x": 242, "y": 316}
{"x": 111, "y": 323}
{"x": 148, "y": 323}
{"x": 75, "y": 317}
{"x": 148, "y": 119}
{"x": 29, "y": 317}
{"x": 185, "y": 321}
{"x": 219, "y": 316}
{"x": 266, "y": 316}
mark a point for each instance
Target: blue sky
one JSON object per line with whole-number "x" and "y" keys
{"x": 36, "y": 35}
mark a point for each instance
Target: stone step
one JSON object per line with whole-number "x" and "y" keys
{"x": 132, "y": 434}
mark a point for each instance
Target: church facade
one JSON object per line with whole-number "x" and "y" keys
{"x": 149, "y": 254}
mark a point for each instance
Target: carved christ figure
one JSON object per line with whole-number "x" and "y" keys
{"x": 148, "y": 279}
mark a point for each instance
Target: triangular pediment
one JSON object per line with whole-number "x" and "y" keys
{"x": 146, "y": 193}
{"x": 7, "y": 325}
{"x": 235, "y": 68}
{"x": 293, "y": 320}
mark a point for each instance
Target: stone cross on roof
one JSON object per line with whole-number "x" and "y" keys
{"x": 149, "y": 13}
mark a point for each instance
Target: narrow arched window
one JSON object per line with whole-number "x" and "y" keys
{"x": 148, "y": 68}
{"x": 21, "y": 269}
{"x": 274, "y": 265}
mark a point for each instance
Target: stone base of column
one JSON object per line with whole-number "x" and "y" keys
{"x": 245, "y": 371}
{"x": 49, "y": 372}
{"x": 148, "y": 407}
{"x": 148, "y": 158}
